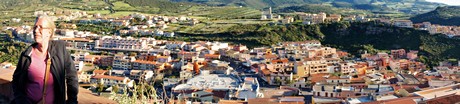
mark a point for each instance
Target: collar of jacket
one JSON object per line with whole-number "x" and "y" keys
{"x": 28, "y": 51}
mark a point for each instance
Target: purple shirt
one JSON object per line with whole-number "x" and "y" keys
{"x": 36, "y": 75}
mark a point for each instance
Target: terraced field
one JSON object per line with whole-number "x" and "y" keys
{"x": 224, "y": 12}
{"x": 121, "y": 6}
{"x": 93, "y": 5}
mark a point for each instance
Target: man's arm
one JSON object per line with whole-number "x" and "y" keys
{"x": 20, "y": 96}
{"x": 71, "y": 78}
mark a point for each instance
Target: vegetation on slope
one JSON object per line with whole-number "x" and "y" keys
{"x": 448, "y": 15}
{"x": 352, "y": 37}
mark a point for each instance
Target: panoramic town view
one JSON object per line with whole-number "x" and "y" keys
{"x": 229, "y": 51}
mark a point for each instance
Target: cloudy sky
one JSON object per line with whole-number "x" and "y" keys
{"x": 448, "y": 2}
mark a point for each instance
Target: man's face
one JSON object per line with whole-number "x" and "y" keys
{"x": 42, "y": 31}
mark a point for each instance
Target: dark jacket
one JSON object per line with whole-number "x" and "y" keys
{"x": 62, "y": 69}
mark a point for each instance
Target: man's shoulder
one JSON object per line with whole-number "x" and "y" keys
{"x": 59, "y": 42}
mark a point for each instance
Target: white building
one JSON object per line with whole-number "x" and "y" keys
{"x": 209, "y": 81}
{"x": 215, "y": 46}
{"x": 122, "y": 62}
{"x": 108, "y": 81}
{"x": 118, "y": 43}
{"x": 403, "y": 23}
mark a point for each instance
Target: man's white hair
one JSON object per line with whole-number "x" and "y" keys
{"x": 50, "y": 22}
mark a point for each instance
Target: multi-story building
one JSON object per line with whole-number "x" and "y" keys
{"x": 143, "y": 65}
{"x": 122, "y": 62}
{"x": 334, "y": 18}
{"x": 347, "y": 68}
{"x": 188, "y": 55}
{"x": 403, "y": 23}
{"x": 412, "y": 55}
{"x": 397, "y": 54}
{"x": 123, "y": 44}
{"x": 79, "y": 43}
{"x": 316, "y": 65}
{"x": 313, "y": 18}
{"x": 108, "y": 81}
{"x": 215, "y": 46}
{"x": 120, "y": 22}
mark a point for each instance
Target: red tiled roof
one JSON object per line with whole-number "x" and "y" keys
{"x": 165, "y": 57}
{"x": 211, "y": 55}
{"x": 262, "y": 101}
{"x": 270, "y": 56}
{"x": 403, "y": 100}
{"x": 99, "y": 71}
{"x": 280, "y": 60}
{"x": 109, "y": 77}
{"x": 318, "y": 77}
{"x": 75, "y": 39}
{"x": 144, "y": 62}
{"x": 266, "y": 71}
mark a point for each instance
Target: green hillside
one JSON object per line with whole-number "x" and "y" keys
{"x": 352, "y": 37}
{"x": 316, "y": 8}
{"x": 448, "y": 15}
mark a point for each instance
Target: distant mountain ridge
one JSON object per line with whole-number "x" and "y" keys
{"x": 406, "y": 6}
{"x": 448, "y": 15}
{"x": 411, "y": 7}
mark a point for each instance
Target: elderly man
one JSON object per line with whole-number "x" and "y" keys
{"x": 45, "y": 73}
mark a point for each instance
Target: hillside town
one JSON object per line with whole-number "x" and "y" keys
{"x": 203, "y": 72}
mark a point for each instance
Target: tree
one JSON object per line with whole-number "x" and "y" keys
{"x": 132, "y": 54}
{"x": 115, "y": 88}
{"x": 100, "y": 88}
{"x": 277, "y": 80}
{"x": 9, "y": 34}
{"x": 109, "y": 68}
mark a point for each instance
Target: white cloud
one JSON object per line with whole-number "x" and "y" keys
{"x": 448, "y": 2}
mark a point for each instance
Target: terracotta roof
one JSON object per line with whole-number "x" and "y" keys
{"x": 109, "y": 77}
{"x": 359, "y": 79}
{"x": 336, "y": 77}
{"x": 312, "y": 59}
{"x": 318, "y": 77}
{"x": 409, "y": 88}
{"x": 270, "y": 56}
{"x": 90, "y": 56}
{"x": 232, "y": 102}
{"x": 262, "y": 101}
{"x": 144, "y": 62}
{"x": 403, "y": 100}
{"x": 280, "y": 60}
{"x": 390, "y": 74}
{"x": 266, "y": 71}
{"x": 448, "y": 99}
{"x": 75, "y": 39}
{"x": 211, "y": 55}
{"x": 99, "y": 71}
{"x": 163, "y": 57}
